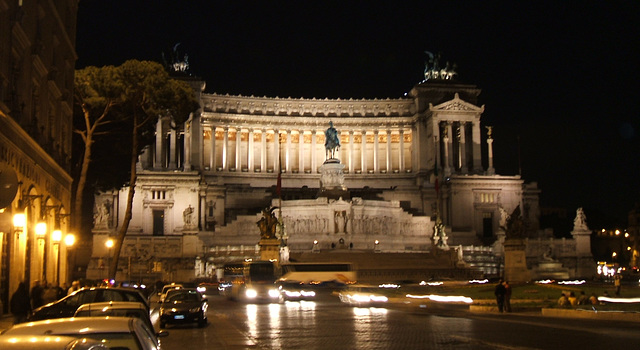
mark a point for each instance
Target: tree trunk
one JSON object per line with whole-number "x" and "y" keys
{"x": 76, "y": 210}
{"x": 122, "y": 232}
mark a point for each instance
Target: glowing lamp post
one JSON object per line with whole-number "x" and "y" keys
{"x": 56, "y": 237}
{"x": 109, "y": 245}
{"x": 19, "y": 222}
{"x": 41, "y": 231}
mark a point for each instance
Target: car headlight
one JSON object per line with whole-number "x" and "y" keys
{"x": 274, "y": 293}
{"x": 201, "y": 289}
{"x": 251, "y": 293}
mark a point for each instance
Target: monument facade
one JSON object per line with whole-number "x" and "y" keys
{"x": 357, "y": 174}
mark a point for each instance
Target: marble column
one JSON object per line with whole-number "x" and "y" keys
{"x": 158, "y": 164}
{"x": 276, "y": 151}
{"x": 389, "y": 170}
{"x": 287, "y": 156}
{"x": 212, "y": 156}
{"x": 314, "y": 167}
{"x": 172, "y": 149}
{"x": 263, "y": 151}
{"x": 250, "y": 166}
{"x": 477, "y": 158}
{"x": 376, "y": 165}
{"x": 463, "y": 148}
{"x": 225, "y": 150}
{"x": 188, "y": 137}
{"x": 352, "y": 150}
{"x": 363, "y": 152}
{"x": 301, "y": 151}
{"x": 447, "y": 146}
{"x": 401, "y": 152}
{"x": 490, "y": 170}
{"x": 238, "y": 162}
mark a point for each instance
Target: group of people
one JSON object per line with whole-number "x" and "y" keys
{"x": 24, "y": 300}
{"x": 570, "y": 299}
{"x": 503, "y": 296}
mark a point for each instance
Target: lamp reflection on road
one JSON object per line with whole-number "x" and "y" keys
{"x": 252, "y": 320}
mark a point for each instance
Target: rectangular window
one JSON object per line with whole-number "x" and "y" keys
{"x": 158, "y": 222}
{"x": 487, "y": 225}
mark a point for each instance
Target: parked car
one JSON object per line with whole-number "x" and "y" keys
{"x": 186, "y": 305}
{"x": 118, "y": 308}
{"x": 47, "y": 342}
{"x": 68, "y": 305}
{"x": 114, "y": 332}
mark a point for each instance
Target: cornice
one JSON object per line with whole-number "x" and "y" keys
{"x": 276, "y": 106}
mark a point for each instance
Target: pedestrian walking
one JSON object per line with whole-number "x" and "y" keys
{"x": 507, "y": 296}
{"x": 500, "y": 292}
{"x": 616, "y": 283}
{"x": 20, "y": 303}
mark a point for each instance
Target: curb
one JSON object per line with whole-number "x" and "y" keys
{"x": 593, "y": 315}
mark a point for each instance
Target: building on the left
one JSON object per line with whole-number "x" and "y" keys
{"x": 37, "y": 62}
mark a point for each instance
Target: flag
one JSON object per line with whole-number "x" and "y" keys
{"x": 435, "y": 173}
{"x": 279, "y": 183}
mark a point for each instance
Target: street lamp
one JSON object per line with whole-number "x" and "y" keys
{"x": 41, "y": 231}
{"x": 109, "y": 245}
{"x": 56, "y": 237}
{"x": 19, "y": 222}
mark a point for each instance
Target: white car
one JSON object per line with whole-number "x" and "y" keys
{"x": 167, "y": 288}
{"x": 48, "y": 342}
{"x": 119, "y": 308}
{"x": 114, "y": 332}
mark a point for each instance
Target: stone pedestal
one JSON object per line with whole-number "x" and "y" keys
{"x": 551, "y": 270}
{"x": 515, "y": 261}
{"x": 332, "y": 180}
{"x": 270, "y": 249}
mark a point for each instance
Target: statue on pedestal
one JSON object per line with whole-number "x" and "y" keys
{"x": 267, "y": 224}
{"x": 580, "y": 222}
{"x": 515, "y": 225}
{"x": 331, "y": 141}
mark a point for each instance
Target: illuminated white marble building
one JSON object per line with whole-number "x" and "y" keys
{"x": 223, "y": 164}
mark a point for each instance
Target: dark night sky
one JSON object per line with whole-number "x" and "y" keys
{"x": 559, "y": 79}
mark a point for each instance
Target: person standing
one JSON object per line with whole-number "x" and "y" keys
{"x": 616, "y": 283}
{"x": 500, "y": 292}
{"x": 20, "y": 303}
{"x": 37, "y": 295}
{"x": 507, "y": 296}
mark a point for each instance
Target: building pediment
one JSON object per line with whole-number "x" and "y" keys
{"x": 457, "y": 105}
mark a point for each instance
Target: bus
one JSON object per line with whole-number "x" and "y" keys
{"x": 257, "y": 283}
{"x": 318, "y": 273}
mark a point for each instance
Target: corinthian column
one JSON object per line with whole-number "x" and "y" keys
{"x": 225, "y": 150}
{"x": 314, "y": 168}
{"x": 263, "y": 151}
{"x": 376, "y": 166}
{"x": 351, "y": 152}
{"x": 212, "y": 157}
{"x": 250, "y": 151}
{"x": 301, "y": 151}
{"x": 287, "y": 156}
{"x": 401, "y": 152}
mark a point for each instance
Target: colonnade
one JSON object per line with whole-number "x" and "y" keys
{"x": 302, "y": 151}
